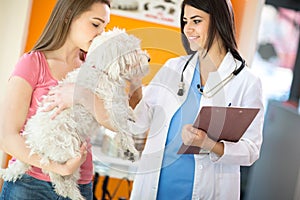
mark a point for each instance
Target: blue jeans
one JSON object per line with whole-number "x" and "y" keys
{"x": 29, "y": 188}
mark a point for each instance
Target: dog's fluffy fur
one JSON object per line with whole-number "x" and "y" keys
{"x": 113, "y": 58}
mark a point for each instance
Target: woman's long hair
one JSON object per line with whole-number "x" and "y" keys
{"x": 57, "y": 28}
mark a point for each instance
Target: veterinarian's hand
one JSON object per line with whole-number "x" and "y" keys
{"x": 196, "y": 137}
{"x": 73, "y": 164}
{"x": 134, "y": 84}
{"x": 135, "y": 92}
{"x": 59, "y": 98}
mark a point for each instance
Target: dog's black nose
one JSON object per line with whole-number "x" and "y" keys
{"x": 149, "y": 59}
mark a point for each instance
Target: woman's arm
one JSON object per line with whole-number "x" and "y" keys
{"x": 66, "y": 95}
{"x": 13, "y": 116}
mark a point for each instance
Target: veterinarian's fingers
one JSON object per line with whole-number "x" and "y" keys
{"x": 135, "y": 83}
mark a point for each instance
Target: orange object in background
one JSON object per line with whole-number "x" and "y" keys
{"x": 238, "y": 9}
{"x": 40, "y": 13}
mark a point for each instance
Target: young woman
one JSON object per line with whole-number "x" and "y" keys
{"x": 214, "y": 75}
{"x": 60, "y": 49}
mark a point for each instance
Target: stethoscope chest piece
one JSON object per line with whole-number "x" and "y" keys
{"x": 181, "y": 88}
{"x": 181, "y": 83}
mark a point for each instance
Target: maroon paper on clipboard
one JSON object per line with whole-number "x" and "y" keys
{"x": 221, "y": 123}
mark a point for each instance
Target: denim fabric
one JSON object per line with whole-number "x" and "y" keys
{"x": 29, "y": 188}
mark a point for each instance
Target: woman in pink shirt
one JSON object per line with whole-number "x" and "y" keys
{"x": 60, "y": 49}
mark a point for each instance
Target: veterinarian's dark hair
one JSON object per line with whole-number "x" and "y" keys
{"x": 57, "y": 28}
{"x": 221, "y": 23}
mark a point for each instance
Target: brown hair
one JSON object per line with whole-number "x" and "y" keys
{"x": 57, "y": 28}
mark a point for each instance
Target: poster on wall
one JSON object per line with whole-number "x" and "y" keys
{"x": 166, "y": 12}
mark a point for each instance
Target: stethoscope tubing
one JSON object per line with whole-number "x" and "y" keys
{"x": 181, "y": 83}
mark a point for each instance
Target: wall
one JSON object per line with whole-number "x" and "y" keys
{"x": 13, "y": 23}
{"x": 276, "y": 175}
{"x": 248, "y": 13}
{"x": 13, "y": 30}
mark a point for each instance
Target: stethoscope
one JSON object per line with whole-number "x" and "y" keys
{"x": 210, "y": 93}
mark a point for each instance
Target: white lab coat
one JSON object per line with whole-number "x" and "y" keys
{"x": 216, "y": 178}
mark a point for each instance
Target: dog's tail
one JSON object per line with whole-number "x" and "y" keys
{"x": 14, "y": 172}
{"x": 66, "y": 186}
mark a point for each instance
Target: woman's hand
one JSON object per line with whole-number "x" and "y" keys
{"x": 192, "y": 136}
{"x": 195, "y": 137}
{"x": 59, "y": 97}
{"x": 135, "y": 92}
{"x": 134, "y": 84}
{"x": 73, "y": 164}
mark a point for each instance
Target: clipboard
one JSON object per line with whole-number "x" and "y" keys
{"x": 221, "y": 123}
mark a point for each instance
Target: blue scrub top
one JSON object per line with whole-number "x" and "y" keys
{"x": 177, "y": 172}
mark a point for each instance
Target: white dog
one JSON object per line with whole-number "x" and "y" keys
{"x": 113, "y": 59}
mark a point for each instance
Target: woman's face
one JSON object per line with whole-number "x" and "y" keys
{"x": 196, "y": 27}
{"x": 89, "y": 25}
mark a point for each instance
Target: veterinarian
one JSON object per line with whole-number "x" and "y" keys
{"x": 214, "y": 74}
{"x": 60, "y": 49}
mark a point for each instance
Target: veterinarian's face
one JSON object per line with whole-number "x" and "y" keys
{"x": 89, "y": 25}
{"x": 196, "y": 27}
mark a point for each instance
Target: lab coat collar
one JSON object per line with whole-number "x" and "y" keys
{"x": 217, "y": 80}
{"x": 228, "y": 65}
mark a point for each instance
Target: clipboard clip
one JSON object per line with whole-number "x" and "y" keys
{"x": 204, "y": 151}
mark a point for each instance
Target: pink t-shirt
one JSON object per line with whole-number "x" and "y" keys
{"x": 33, "y": 67}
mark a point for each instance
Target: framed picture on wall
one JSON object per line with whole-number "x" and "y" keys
{"x": 164, "y": 12}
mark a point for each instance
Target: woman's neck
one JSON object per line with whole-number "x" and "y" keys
{"x": 64, "y": 54}
{"x": 62, "y": 61}
{"x": 211, "y": 61}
